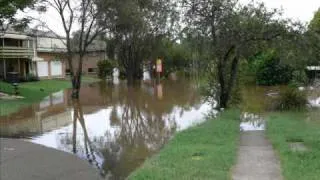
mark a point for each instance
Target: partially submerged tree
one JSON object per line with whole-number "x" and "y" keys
{"x": 136, "y": 26}
{"x": 83, "y": 18}
{"x": 235, "y": 32}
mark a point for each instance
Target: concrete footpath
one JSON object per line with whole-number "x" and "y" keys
{"x": 256, "y": 158}
{"x": 20, "y": 160}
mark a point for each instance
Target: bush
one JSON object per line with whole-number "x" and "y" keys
{"x": 105, "y": 68}
{"x": 299, "y": 78}
{"x": 268, "y": 69}
{"x": 292, "y": 99}
{"x": 29, "y": 78}
{"x": 272, "y": 72}
{"x": 32, "y": 77}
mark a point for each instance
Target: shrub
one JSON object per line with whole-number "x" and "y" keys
{"x": 292, "y": 99}
{"x": 29, "y": 78}
{"x": 32, "y": 77}
{"x": 268, "y": 69}
{"x": 272, "y": 72}
{"x": 299, "y": 78}
{"x": 105, "y": 68}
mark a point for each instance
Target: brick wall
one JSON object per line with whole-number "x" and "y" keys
{"x": 89, "y": 62}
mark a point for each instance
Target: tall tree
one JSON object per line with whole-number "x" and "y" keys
{"x": 83, "y": 18}
{"x": 313, "y": 37}
{"x": 315, "y": 22}
{"x": 235, "y": 32}
{"x": 137, "y": 26}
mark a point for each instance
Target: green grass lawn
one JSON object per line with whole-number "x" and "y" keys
{"x": 282, "y": 127}
{"x": 34, "y": 92}
{"x": 206, "y": 151}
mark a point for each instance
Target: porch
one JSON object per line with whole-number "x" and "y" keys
{"x": 16, "y": 53}
{"x": 21, "y": 66}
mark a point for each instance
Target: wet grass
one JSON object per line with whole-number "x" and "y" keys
{"x": 283, "y": 129}
{"x": 207, "y": 151}
{"x": 33, "y": 92}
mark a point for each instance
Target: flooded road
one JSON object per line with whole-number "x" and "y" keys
{"x": 113, "y": 127}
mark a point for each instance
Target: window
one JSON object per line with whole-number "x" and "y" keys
{"x": 92, "y": 70}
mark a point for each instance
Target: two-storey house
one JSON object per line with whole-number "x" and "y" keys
{"x": 16, "y": 54}
{"x": 42, "y": 54}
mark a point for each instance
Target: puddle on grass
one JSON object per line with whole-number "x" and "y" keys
{"x": 251, "y": 122}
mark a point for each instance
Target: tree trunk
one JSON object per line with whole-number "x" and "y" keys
{"x": 226, "y": 85}
{"x": 222, "y": 100}
{"x": 130, "y": 76}
{"x": 76, "y": 80}
{"x": 226, "y": 91}
{"x": 76, "y": 83}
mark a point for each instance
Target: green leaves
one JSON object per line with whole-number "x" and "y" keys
{"x": 8, "y": 9}
{"x": 315, "y": 22}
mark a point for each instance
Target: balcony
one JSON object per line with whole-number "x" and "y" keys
{"x": 16, "y": 52}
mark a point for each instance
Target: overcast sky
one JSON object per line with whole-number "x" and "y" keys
{"x": 302, "y": 10}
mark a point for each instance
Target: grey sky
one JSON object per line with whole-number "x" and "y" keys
{"x": 302, "y": 10}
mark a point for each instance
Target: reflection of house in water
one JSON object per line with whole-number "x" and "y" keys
{"x": 115, "y": 128}
{"x": 51, "y": 113}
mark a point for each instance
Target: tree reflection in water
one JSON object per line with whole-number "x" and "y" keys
{"x": 142, "y": 120}
{"x": 79, "y": 142}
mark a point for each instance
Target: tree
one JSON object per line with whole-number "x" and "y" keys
{"x": 90, "y": 21}
{"x": 9, "y": 8}
{"x": 235, "y": 32}
{"x": 315, "y": 22}
{"x": 137, "y": 26}
{"x": 313, "y": 37}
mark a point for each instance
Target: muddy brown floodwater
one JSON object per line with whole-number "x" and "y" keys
{"x": 116, "y": 128}
{"x": 113, "y": 127}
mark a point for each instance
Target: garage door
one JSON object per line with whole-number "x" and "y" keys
{"x": 43, "y": 70}
{"x": 56, "y": 68}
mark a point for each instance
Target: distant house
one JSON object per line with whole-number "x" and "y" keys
{"x": 96, "y": 52}
{"x": 42, "y": 54}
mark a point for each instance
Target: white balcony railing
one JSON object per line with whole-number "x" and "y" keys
{"x": 16, "y": 52}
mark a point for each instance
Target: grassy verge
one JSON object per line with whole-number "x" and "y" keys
{"x": 207, "y": 151}
{"x": 33, "y": 92}
{"x": 283, "y": 127}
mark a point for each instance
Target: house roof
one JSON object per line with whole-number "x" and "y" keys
{"x": 16, "y": 36}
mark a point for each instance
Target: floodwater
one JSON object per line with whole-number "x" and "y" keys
{"x": 116, "y": 128}
{"x": 258, "y": 101}
{"x": 113, "y": 127}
